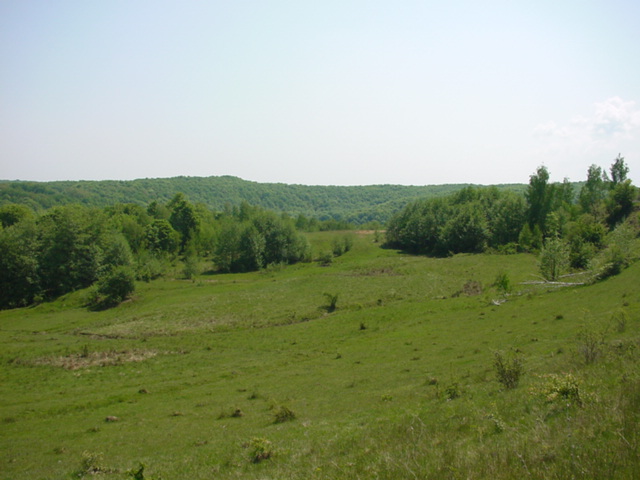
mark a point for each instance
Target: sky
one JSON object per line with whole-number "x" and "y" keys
{"x": 349, "y": 92}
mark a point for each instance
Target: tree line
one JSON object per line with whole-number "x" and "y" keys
{"x": 71, "y": 247}
{"x": 359, "y": 205}
{"x": 549, "y": 215}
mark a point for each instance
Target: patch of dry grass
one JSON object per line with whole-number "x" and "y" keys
{"x": 85, "y": 359}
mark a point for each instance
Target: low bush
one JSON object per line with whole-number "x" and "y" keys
{"x": 508, "y": 370}
{"x": 112, "y": 289}
{"x": 260, "y": 449}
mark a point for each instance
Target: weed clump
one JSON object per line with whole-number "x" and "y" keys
{"x": 261, "y": 449}
{"x": 560, "y": 388}
{"x": 91, "y": 464}
{"x": 452, "y": 391}
{"x": 508, "y": 370}
{"x": 283, "y": 414}
{"x": 138, "y": 474}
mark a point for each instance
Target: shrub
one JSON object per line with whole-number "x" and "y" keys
{"x": 502, "y": 283}
{"x": 590, "y": 344}
{"x": 619, "y": 253}
{"x": 115, "y": 287}
{"x": 563, "y": 388}
{"x": 332, "y": 300}
{"x": 508, "y": 371}
{"x": 191, "y": 267}
{"x": 325, "y": 259}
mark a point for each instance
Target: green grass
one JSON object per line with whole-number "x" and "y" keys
{"x": 369, "y": 386}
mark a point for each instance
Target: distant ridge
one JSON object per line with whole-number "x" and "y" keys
{"x": 358, "y": 204}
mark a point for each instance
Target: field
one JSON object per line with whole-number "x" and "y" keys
{"x": 379, "y": 365}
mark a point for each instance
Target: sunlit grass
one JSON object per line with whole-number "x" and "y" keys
{"x": 396, "y": 382}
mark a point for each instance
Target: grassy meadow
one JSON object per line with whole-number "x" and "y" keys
{"x": 258, "y": 376}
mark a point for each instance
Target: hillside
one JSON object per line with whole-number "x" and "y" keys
{"x": 256, "y": 376}
{"x": 357, "y": 204}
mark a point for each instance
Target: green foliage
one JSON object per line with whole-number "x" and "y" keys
{"x": 12, "y": 213}
{"x": 260, "y": 449}
{"x": 452, "y": 391}
{"x": 559, "y": 388}
{"x": 138, "y": 473}
{"x": 324, "y": 207}
{"x": 590, "y": 343}
{"x": 540, "y": 199}
{"x": 160, "y": 237}
{"x": 332, "y": 301}
{"x": 91, "y": 464}
{"x": 619, "y": 253}
{"x": 114, "y": 287}
{"x": 619, "y": 171}
{"x": 554, "y": 259}
{"x": 19, "y": 272}
{"x": 508, "y": 369}
{"x": 70, "y": 249}
{"x": 468, "y": 221}
{"x": 183, "y": 219}
{"x": 586, "y": 237}
{"x": 255, "y": 239}
{"x": 503, "y": 283}
{"x": 620, "y": 202}
{"x": 191, "y": 267}
{"x": 467, "y": 230}
{"x": 530, "y": 240}
{"x": 594, "y": 190}
{"x": 342, "y": 245}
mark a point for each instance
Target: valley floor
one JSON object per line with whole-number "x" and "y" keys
{"x": 257, "y": 376}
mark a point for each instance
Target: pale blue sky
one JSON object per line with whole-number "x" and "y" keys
{"x": 323, "y": 92}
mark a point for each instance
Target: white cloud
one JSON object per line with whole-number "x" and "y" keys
{"x": 610, "y": 121}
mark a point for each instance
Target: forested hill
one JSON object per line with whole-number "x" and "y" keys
{"x": 358, "y": 204}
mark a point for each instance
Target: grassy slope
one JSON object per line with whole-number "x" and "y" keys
{"x": 370, "y": 402}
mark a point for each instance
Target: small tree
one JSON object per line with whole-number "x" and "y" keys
{"x": 554, "y": 258}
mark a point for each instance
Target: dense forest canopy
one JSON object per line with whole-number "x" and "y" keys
{"x": 355, "y": 204}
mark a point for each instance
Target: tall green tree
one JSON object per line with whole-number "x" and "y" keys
{"x": 594, "y": 191}
{"x": 70, "y": 256}
{"x": 619, "y": 170}
{"x": 540, "y": 198}
{"x": 19, "y": 273}
{"x": 183, "y": 219}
